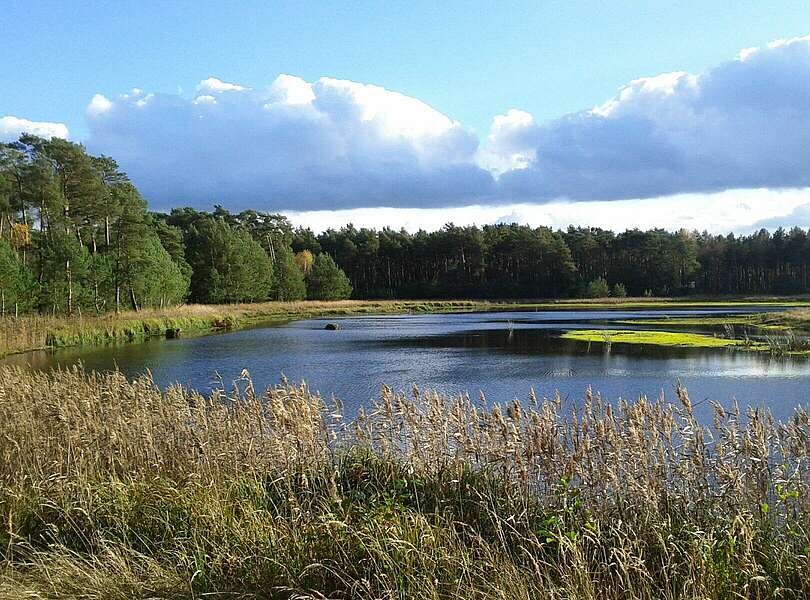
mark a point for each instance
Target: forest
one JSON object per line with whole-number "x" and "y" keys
{"x": 77, "y": 237}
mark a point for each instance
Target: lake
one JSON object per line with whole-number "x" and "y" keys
{"x": 502, "y": 354}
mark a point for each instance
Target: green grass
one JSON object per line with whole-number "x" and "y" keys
{"x": 654, "y": 338}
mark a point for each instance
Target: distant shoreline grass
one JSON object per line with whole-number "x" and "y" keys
{"x": 113, "y": 488}
{"x": 35, "y": 332}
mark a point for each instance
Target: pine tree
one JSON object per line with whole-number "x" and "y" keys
{"x": 327, "y": 281}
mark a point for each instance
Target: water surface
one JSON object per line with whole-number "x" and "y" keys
{"x": 502, "y": 354}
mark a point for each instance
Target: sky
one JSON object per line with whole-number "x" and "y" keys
{"x": 620, "y": 114}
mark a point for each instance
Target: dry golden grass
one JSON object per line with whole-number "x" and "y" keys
{"x": 112, "y": 488}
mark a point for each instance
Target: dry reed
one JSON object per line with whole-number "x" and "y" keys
{"x": 114, "y": 488}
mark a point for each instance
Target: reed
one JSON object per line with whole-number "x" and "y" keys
{"x": 111, "y": 488}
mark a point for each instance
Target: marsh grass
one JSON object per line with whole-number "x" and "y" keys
{"x": 111, "y": 488}
{"x": 654, "y": 338}
{"x": 33, "y": 332}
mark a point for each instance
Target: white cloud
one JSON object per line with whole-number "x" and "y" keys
{"x": 338, "y": 144}
{"x": 510, "y": 143}
{"x": 292, "y": 90}
{"x": 723, "y": 212}
{"x": 98, "y": 105}
{"x": 742, "y": 124}
{"x": 328, "y": 143}
{"x": 212, "y": 85}
{"x": 11, "y": 128}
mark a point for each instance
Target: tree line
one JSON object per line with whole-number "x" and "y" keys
{"x": 77, "y": 237}
{"x": 519, "y": 261}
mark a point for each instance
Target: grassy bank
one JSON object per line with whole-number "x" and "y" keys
{"x": 798, "y": 319}
{"x": 113, "y": 489}
{"x": 32, "y": 332}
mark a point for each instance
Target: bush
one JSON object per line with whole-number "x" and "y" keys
{"x": 598, "y": 288}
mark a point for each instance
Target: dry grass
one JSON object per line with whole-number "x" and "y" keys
{"x": 797, "y": 319}
{"x": 113, "y": 489}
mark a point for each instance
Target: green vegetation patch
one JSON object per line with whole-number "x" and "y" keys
{"x": 656, "y": 338}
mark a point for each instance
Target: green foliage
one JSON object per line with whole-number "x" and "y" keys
{"x": 17, "y": 287}
{"x": 158, "y": 281}
{"x": 228, "y": 265}
{"x": 57, "y": 202}
{"x": 618, "y": 291}
{"x": 64, "y": 266}
{"x": 598, "y": 288}
{"x": 289, "y": 280}
{"x": 327, "y": 281}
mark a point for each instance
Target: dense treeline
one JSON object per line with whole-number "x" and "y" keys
{"x": 75, "y": 235}
{"x": 518, "y": 261}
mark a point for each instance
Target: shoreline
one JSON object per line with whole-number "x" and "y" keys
{"x": 38, "y": 332}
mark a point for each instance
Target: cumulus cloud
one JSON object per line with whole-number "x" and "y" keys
{"x": 11, "y": 128}
{"x": 337, "y": 144}
{"x": 294, "y": 144}
{"x": 742, "y": 124}
{"x": 214, "y": 85}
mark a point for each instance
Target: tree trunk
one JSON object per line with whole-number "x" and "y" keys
{"x": 134, "y": 301}
{"x": 95, "y": 297}
{"x": 70, "y": 287}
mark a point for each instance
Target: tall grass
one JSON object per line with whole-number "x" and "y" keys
{"x": 111, "y": 488}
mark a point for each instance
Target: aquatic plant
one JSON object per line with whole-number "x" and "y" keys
{"x": 651, "y": 337}
{"x": 112, "y": 488}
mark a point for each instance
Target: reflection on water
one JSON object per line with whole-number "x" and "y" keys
{"x": 502, "y": 354}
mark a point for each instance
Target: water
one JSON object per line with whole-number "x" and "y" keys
{"x": 502, "y": 354}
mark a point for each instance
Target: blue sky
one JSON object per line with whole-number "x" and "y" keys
{"x": 470, "y": 62}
